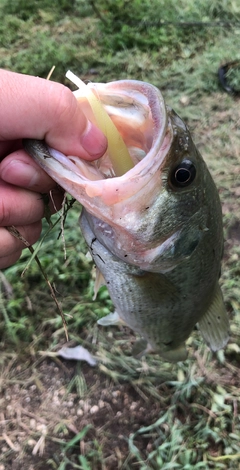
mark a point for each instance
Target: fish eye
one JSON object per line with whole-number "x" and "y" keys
{"x": 183, "y": 175}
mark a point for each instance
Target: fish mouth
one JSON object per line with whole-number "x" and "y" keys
{"x": 117, "y": 204}
{"x": 138, "y": 111}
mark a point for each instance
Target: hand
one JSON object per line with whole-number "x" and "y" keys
{"x": 32, "y": 107}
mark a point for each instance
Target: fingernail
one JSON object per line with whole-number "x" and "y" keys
{"x": 94, "y": 141}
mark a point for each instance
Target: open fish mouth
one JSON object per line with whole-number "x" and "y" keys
{"x": 138, "y": 111}
{"x": 118, "y": 204}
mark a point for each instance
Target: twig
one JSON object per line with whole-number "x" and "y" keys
{"x": 97, "y": 12}
{"x": 12, "y": 446}
{"x": 11, "y": 229}
{"x": 51, "y": 72}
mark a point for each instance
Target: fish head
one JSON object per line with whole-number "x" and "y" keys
{"x": 155, "y": 214}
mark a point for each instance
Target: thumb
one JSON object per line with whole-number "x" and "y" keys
{"x": 32, "y": 107}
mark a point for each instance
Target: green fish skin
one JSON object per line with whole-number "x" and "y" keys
{"x": 155, "y": 233}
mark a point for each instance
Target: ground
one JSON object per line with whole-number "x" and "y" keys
{"x": 124, "y": 413}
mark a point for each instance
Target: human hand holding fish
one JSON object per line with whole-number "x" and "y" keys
{"x": 33, "y": 107}
{"x": 154, "y": 230}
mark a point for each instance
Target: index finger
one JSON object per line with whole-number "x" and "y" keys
{"x": 32, "y": 107}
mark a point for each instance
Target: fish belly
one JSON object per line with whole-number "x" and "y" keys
{"x": 147, "y": 302}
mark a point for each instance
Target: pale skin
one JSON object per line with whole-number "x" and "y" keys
{"x": 31, "y": 107}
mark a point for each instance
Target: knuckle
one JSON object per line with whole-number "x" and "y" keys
{"x": 66, "y": 104}
{"x": 68, "y": 112}
{"x": 5, "y": 213}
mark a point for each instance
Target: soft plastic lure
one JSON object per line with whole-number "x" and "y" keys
{"x": 117, "y": 150}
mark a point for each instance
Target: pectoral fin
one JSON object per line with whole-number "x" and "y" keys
{"x": 110, "y": 319}
{"x": 214, "y": 325}
{"x": 99, "y": 282}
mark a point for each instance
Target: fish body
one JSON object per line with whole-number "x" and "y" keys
{"x": 155, "y": 233}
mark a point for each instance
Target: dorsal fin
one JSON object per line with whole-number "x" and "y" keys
{"x": 214, "y": 325}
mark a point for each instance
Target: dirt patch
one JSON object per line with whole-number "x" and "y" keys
{"x": 39, "y": 414}
{"x": 48, "y": 403}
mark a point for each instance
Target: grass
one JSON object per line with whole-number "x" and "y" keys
{"x": 125, "y": 413}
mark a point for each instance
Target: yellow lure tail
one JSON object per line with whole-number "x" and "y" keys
{"x": 117, "y": 150}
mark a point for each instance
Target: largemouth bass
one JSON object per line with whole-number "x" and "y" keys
{"x": 155, "y": 233}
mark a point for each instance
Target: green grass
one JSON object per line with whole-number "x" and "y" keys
{"x": 128, "y": 42}
{"x": 187, "y": 415}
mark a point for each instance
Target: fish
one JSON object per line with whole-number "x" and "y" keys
{"x": 155, "y": 232}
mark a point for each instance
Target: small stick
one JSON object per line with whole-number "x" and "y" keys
{"x": 51, "y": 72}
{"x": 11, "y": 229}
